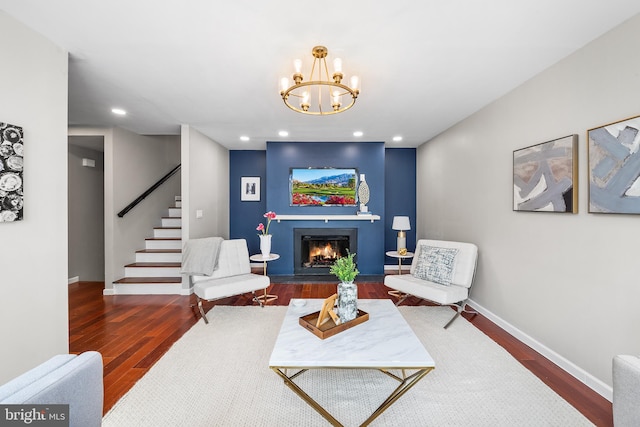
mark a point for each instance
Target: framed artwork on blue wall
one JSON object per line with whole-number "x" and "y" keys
{"x": 545, "y": 176}
{"x": 250, "y": 189}
{"x": 614, "y": 167}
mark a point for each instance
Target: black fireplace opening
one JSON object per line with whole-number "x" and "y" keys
{"x": 316, "y": 249}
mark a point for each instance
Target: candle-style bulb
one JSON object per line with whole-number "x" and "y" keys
{"x": 337, "y": 65}
{"x": 284, "y": 84}
{"x": 355, "y": 83}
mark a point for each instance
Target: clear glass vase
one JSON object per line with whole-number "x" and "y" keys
{"x": 347, "y": 301}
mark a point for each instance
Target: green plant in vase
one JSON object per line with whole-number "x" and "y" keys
{"x": 344, "y": 268}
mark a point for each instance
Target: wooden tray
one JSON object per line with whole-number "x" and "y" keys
{"x": 329, "y": 328}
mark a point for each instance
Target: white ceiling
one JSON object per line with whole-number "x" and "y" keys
{"x": 424, "y": 65}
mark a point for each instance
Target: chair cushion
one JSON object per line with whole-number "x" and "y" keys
{"x": 436, "y": 264}
{"x": 209, "y": 288}
{"x": 431, "y": 291}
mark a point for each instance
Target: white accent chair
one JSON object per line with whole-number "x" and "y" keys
{"x": 460, "y": 272}
{"x": 626, "y": 389}
{"x": 232, "y": 276}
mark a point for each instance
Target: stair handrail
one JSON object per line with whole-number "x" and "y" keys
{"x": 150, "y": 190}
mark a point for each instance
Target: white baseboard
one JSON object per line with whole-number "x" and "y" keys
{"x": 566, "y": 365}
{"x": 108, "y": 292}
{"x": 74, "y": 279}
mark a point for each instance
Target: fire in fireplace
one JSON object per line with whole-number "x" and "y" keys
{"x": 324, "y": 252}
{"x": 316, "y": 249}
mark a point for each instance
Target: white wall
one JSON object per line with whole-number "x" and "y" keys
{"x": 205, "y": 186}
{"x": 33, "y": 284}
{"x": 86, "y": 214}
{"x": 567, "y": 281}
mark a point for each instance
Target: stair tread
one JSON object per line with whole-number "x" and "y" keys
{"x": 167, "y": 228}
{"x": 154, "y": 264}
{"x": 159, "y": 251}
{"x": 149, "y": 280}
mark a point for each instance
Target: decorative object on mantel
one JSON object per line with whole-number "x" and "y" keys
{"x": 363, "y": 196}
{"x": 614, "y": 151}
{"x": 11, "y": 173}
{"x": 345, "y": 269}
{"x": 545, "y": 176}
{"x": 322, "y": 94}
{"x": 265, "y": 237}
{"x": 401, "y": 223}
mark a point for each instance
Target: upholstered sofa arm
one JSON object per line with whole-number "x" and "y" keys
{"x": 626, "y": 389}
{"x": 70, "y": 379}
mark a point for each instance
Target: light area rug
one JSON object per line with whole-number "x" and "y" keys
{"x": 218, "y": 375}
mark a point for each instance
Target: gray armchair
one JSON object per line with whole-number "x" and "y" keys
{"x": 67, "y": 379}
{"x": 626, "y": 391}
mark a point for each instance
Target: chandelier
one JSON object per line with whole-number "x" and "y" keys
{"x": 322, "y": 94}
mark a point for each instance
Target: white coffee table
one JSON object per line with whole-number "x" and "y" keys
{"x": 384, "y": 342}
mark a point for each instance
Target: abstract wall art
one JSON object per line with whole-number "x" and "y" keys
{"x": 11, "y": 173}
{"x": 614, "y": 167}
{"x": 545, "y": 176}
{"x": 250, "y": 189}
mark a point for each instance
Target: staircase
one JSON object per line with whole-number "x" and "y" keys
{"x": 157, "y": 266}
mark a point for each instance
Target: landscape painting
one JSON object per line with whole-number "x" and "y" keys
{"x": 11, "y": 173}
{"x": 545, "y": 176}
{"x": 323, "y": 187}
{"x": 614, "y": 167}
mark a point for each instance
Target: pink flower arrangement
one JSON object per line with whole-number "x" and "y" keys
{"x": 265, "y": 230}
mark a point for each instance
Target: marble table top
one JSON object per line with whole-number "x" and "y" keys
{"x": 384, "y": 341}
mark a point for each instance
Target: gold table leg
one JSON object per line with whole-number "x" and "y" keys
{"x": 266, "y": 297}
{"x": 406, "y": 382}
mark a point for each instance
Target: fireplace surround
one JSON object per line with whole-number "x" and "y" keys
{"x": 315, "y": 249}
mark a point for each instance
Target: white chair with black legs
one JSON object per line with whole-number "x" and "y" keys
{"x": 441, "y": 272}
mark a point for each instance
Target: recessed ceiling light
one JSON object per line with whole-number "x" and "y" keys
{"x": 244, "y": 138}
{"x": 358, "y": 133}
{"x": 119, "y": 111}
{"x": 397, "y": 138}
{"x": 283, "y": 133}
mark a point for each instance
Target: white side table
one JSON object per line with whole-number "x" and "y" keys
{"x": 395, "y": 254}
{"x": 259, "y": 258}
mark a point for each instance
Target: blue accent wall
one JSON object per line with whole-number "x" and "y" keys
{"x": 245, "y": 216}
{"x": 400, "y": 185}
{"x": 367, "y": 158}
{"x": 390, "y": 174}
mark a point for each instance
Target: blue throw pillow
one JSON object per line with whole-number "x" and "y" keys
{"x": 436, "y": 264}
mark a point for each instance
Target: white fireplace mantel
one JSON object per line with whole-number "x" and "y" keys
{"x": 327, "y": 218}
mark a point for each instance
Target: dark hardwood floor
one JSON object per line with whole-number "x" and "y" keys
{"x": 133, "y": 332}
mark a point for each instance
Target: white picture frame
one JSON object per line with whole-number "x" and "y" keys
{"x": 250, "y": 189}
